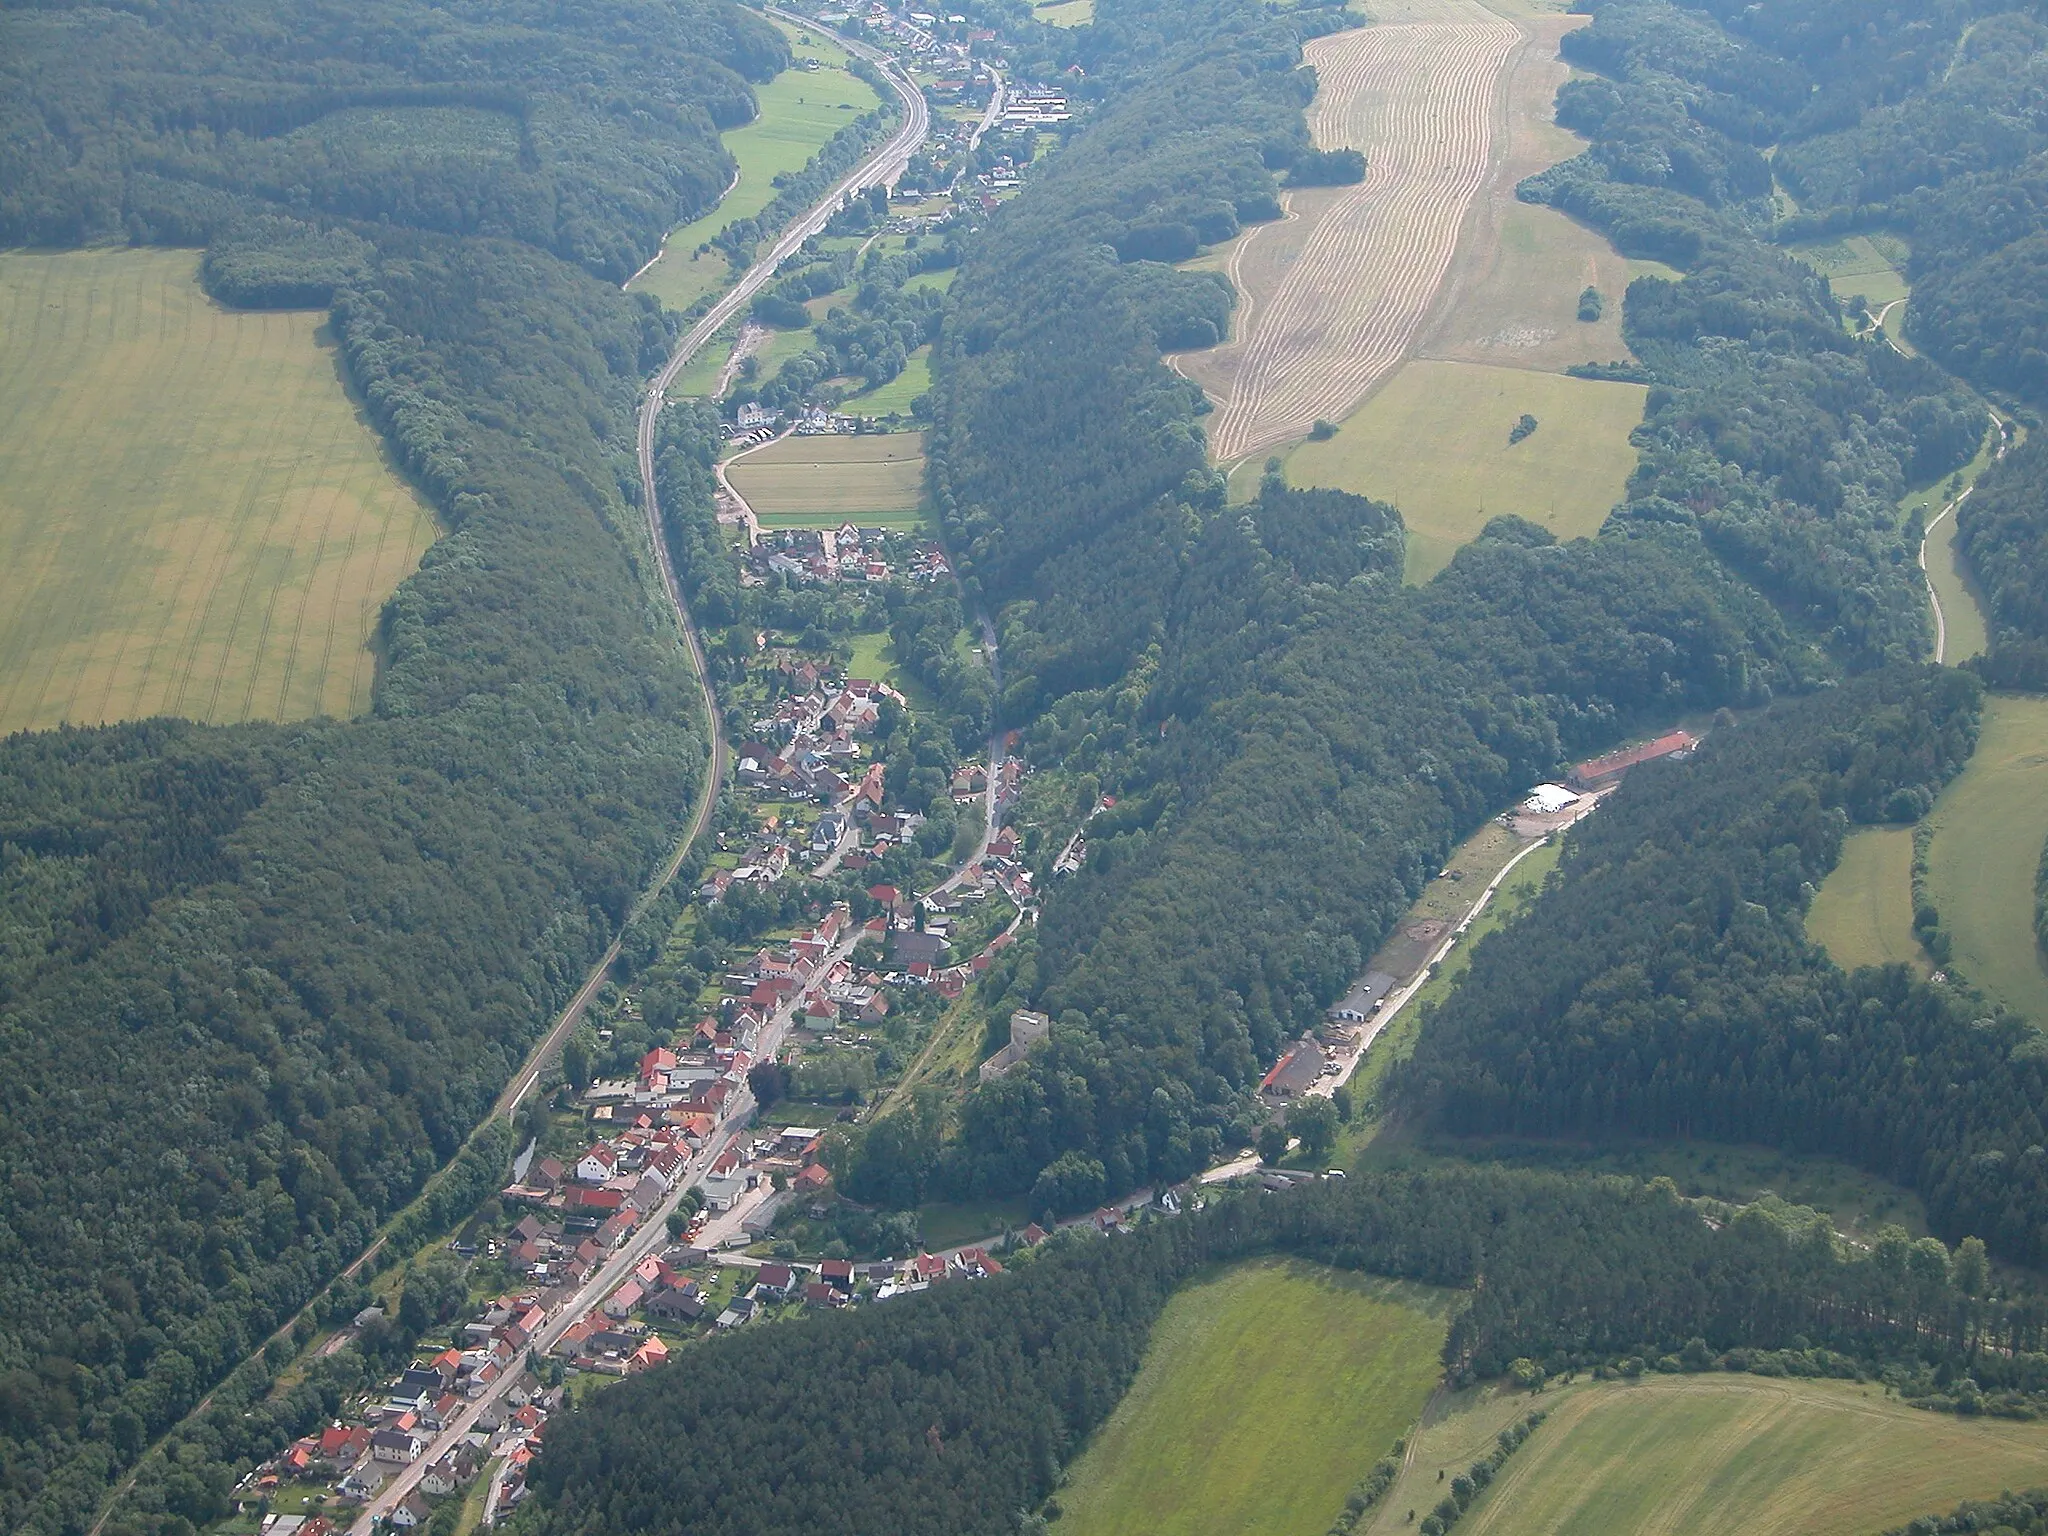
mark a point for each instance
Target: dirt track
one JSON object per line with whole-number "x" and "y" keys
{"x": 1419, "y": 93}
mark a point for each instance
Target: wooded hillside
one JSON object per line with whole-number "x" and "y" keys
{"x": 954, "y": 1411}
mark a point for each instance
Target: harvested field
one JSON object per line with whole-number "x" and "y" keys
{"x": 194, "y": 518}
{"x": 1333, "y": 296}
{"x": 810, "y": 482}
{"x": 1511, "y": 296}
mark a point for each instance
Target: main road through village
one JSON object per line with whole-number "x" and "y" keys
{"x": 882, "y": 168}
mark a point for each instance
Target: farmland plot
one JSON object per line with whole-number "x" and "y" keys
{"x": 194, "y": 518}
{"x": 1332, "y": 297}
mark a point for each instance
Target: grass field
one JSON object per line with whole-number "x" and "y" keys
{"x": 1706, "y": 1455}
{"x": 1989, "y": 826}
{"x": 194, "y": 519}
{"x": 1962, "y": 611}
{"x": 945, "y": 1225}
{"x": 1434, "y": 442}
{"x": 940, "y": 280}
{"x": 1066, "y": 13}
{"x": 799, "y": 112}
{"x": 810, "y": 482}
{"x": 1266, "y": 1392}
{"x": 1864, "y": 912}
{"x": 896, "y": 395}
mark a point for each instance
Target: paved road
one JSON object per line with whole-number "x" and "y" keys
{"x": 1377, "y": 1025}
{"x": 882, "y": 167}
{"x": 1934, "y": 597}
{"x": 650, "y": 1236}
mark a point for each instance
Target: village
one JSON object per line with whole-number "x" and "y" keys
{"x": 664, "y": 1218}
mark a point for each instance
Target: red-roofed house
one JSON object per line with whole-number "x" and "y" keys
{"x": 812, "y": 1179}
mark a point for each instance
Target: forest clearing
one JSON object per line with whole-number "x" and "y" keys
{"x": 1863, "y": 914}
{"x": 194, "y": 518}
{"x": 1267, "y": 1391}
{"x": 1871, "y": 265}
{"x": 1434, "y": 442}
{"x": 1699, "y": 1454}
{"x": 1989, "y": 826}
{"x": 876, "y": 479}
{"x": 1332, "y": 297}
{"x": 799, "y": 111}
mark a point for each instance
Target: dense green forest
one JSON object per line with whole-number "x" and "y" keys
{"x": 955, "y": 1411}
{"x": 257, "y": 983}
{"x": 1951, "y": 152}
{"x": 584, "y": 130}
{"x": 2010, "y": 1514}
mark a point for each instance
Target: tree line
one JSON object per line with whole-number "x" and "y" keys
{"x": 959, "y": 1409}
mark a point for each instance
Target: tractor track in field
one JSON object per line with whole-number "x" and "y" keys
{"x": 1422, "y": 100}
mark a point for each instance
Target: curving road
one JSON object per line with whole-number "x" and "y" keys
{"x": 881, "y": 167}
{"x": 1933, "y": 596}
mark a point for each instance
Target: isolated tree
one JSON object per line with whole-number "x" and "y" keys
{"x": 576, "y": 1061}
{"x": 770, "y": 1082}
{"x": 1272, "y": 1142}
{"x": 1314, "y": 1120}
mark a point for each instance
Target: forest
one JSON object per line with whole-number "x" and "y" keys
{"x": 258, "y": 983}
{"x": 955, "y": 1410}
{"x": 2003, "y": 531}
{"x": 582, "y": 131}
